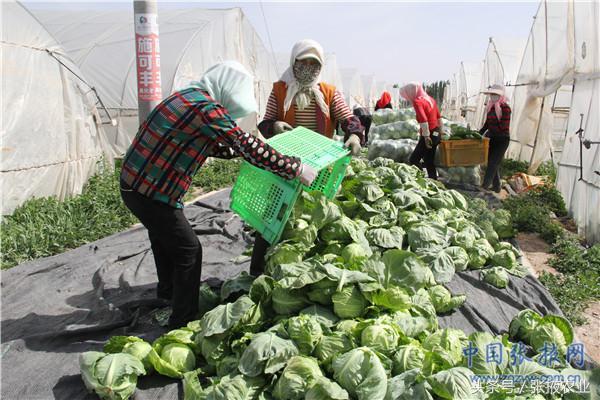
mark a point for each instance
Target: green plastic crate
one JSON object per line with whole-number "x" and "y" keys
{"x": 264, "y": 200}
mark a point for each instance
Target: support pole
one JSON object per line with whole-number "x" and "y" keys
{"x": 537, "y": 132}
{"x": 147, "y": 55}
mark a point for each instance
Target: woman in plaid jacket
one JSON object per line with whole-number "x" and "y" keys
{"x": 169, "y": 148}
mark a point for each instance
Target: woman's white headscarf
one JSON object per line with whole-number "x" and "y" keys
{"x": 232, "y": 86}
{"x": 297, "y": 91}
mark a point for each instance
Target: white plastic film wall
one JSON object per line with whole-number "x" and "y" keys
{"x": 191, "y": 40}
{"x": 51, "y": 143}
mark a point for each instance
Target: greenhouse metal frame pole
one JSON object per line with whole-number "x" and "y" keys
{"x": 147, "y": 56}
{"x": 537, "y": 132}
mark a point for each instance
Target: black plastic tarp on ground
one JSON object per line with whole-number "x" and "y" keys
{"x": 57, "y": 307}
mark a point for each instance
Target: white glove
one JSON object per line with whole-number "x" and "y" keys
{"x": 424, "y": 129}
{"x": 441, "y": 126}
{"x": 353, "y": 143}
{"x": 281, "y": 126}
{"x": 308, "y": 174}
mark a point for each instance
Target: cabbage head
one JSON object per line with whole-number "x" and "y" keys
{"x": 427, "y": 235}
{"x": 325, "y": 389}
{"x": 479, "y": 253}
{"x": 523, "y": 324}
{"x": 549, "y": 334}
{"x": 332, "y": 345}
{"x": 111, "y": 376}
{"x": 407, "y": 357}
{"x": 288, "y": 301}
{"x": 361, "y": 373}
{"x": 349, "y": 302}
{"x": 459, "y": 256}
{"x": 135, "y": 346}
{"x": 179, "y": 356}
{"x": 172, "y": 353}
{"x": 342, "y": 230}
{"x": 496, "y": 276}
{"x": 453, "y": 384}
{"x": 267, "y": 353}
{"x": 502, "y": 222}
{"x": 380, "y": 337}
{"x": 504, "y": 258}
{"x": 354, "y": 253}
{"x": 443, "y": 300}
{"x": 305, "y": 331}
{"x": 298, "y": 376}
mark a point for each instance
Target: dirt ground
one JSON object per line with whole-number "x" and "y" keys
{"x": 590, "y": 332}
{"x": 536, "y": 255}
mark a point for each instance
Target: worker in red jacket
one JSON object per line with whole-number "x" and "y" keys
{"x": 496, "y": 127}
{"x": 430, "y": 121}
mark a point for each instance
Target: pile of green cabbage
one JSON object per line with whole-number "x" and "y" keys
{"x": 387, "y": 115}
{"x": 347, "y": 307}
{"x": 461, "y": 175}
{"x": 397, "y": 150}
{"x": 408, "y": 129}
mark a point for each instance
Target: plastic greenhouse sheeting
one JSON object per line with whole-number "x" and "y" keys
{"x": 353, "y": 88}
{"x": 51, "y": 136}
{"x": 500, "y": 66}
{"x": 192, "y": 39}
{"x": 106, "y": 288}
{"x": 470, "y": 84}
{"x": 331, "y": 73}
{"x": 450, "y": 104}
{"x": 370, "y": 91}
{"x": 563, "y": 51}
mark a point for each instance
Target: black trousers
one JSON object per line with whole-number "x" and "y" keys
{"x": 496, "y": 151}
{"x": 257, "y": 263}
{"x": 177, "y": 254}
{"x": 421, "y": 152}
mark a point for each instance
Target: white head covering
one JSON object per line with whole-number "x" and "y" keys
{"x": 496, "y": 104}
{"x": 232, "y": 86}
{"x": 306, "y": 48}
{"x": 495, "y": 89}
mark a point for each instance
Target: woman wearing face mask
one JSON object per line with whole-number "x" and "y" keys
{"x": 429, "y": 118}
{"x": 300, "y": 99}
{"x": 169, "y": 148}
{"x": 496, "y": 125}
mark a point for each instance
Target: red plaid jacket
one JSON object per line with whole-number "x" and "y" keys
{"x": 178, "y": 136}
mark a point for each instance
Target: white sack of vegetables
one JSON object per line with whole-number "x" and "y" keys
{"x": 397, "y": 130}
{"x": 461, "y": 175}
{"x": 387, "y": 115}
{"x": 397, "y": 150}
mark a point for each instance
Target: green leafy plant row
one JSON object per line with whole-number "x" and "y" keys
{"x": 46, "y": 226}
